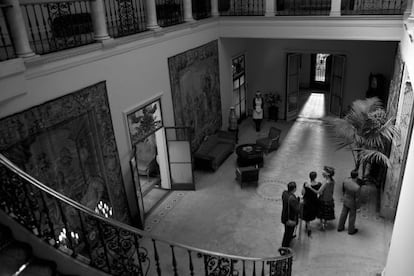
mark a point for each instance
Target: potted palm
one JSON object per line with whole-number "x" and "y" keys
{"x": 367, "y": 132}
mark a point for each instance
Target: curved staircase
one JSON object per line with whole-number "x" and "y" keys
{"x": 17, "y": 258}
{"x": 83, "y": 242}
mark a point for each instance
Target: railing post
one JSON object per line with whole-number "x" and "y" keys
{"x": 214, "y": 8}
{"x": 98, "y": 20}
{"x": 270, "y": 8}
{"x": 152, "y": 23}
{"x": 335, "y": 8}
{"x": 18, "y": 32}
{"x": 188, "y": 11}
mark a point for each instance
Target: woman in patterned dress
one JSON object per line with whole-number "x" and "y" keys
{"x": 326, "y": 201}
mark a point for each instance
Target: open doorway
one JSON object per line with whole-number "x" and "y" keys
{"x": 320, "y": 71}
{"x": 149, "y": 179}
{"x": 310, "y": 74}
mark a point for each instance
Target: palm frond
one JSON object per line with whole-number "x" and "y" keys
{"x": 374, "y": 156}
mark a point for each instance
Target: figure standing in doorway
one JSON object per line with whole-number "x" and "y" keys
{"x": 258, "y": 103}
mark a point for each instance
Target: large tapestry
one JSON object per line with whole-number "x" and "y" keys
{"x": 69, "y": 145}
{"x": 195, "y": 88}
{"x": 399, "y": 148}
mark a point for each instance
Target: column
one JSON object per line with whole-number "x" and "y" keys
{"x": 214, "y": 8}
{"x": 270, "y": 8}
{"x": 98, "y": 20}
{"x": 152, "y": 23}
{"x": 335, "y": 8}
{"x": 17, "y": 29}
{"x": 188, "y": 11}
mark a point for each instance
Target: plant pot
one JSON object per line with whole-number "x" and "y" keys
{"x": 273, "y": 113}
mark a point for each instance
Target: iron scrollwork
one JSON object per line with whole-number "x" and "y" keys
{"x": 219, "y": 266}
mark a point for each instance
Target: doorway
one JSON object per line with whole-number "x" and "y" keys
{"x": 314, "y": 78}
{"x": 239, "y": 87}
{"x": 149, "y": 178}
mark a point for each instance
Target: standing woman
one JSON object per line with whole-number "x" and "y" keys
{"x": 258, "y": 110}
{"x": 310, "y": 201}
{"x": 326, "y": 201}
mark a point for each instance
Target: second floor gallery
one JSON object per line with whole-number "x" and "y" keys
{"x": 92, "y": 90}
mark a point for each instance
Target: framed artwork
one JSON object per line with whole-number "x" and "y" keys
{"x": 143, "y": 120}
{"x": 195, "y": 90}
{"x": 68, "y": 144}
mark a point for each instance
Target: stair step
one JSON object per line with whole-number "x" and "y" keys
{"x": 38, "y": 267}
{"x": 13, "y": 256}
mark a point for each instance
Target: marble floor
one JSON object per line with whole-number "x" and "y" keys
{"x": 221, "y": 216}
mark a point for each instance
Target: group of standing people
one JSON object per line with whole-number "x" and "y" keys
{"x": 318, "y": 202}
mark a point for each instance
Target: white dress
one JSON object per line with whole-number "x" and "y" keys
{"x": 258, "y": 111}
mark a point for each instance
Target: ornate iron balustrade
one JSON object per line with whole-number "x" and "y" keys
{"x": 6, "y": 43}
{"x": 242, "y": 7}
{"x": 303, "y": 7}
{"x": 125, "y": 17}
{"x": 111, "y": 246}
{"x": 169, "y": 12}
{"x": 373, "y": 7}
{"x": 57, "y": 25}
{"x": 201, "y": 9}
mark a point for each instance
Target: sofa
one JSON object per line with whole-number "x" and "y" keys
{"x": 214, "y": 150}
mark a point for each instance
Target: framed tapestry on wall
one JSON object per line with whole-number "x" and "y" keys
{"x": 68, "y": 144}
{"x": 195, "y": 89}
{"x": 143, "y": 120}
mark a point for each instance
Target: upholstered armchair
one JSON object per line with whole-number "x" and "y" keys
{"x": 271, "y": 142}
{"x": 145, "y": 155}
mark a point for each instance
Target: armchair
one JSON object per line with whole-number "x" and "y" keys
{"x": 271, "y": 142}
{"x": 145, "y": 156}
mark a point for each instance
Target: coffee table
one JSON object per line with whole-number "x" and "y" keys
{"x": 249, "y": 155}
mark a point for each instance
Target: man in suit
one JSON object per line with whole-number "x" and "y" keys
{"x": 351, "y": 192}
{"x": 290, "y": 211}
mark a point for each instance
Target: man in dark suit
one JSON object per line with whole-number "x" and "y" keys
{"x": 351, "y": 192}
{"x": 290, "y": 211}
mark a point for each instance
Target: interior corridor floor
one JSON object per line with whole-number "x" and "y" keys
{"x": 222, "y": 217}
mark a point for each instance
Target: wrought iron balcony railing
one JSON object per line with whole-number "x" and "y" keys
{"x": 125, "y": 17}
{"x": 109, "y": 245}
{"x": 6, "y": 43}
{"x": 241, "y": 7}
{"x": 303, "y": 7}
{"x": 373, "y": 7}
{"x": 55, "y": 25}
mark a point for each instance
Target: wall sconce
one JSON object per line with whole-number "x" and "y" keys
{"x": 103, "y": 209}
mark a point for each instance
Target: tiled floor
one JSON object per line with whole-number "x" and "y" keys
{"x": 220, "y": 216}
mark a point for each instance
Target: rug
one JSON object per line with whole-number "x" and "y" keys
{"x": 163, "y": 209}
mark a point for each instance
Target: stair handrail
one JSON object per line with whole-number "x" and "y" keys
{"x": 287, "y": 252}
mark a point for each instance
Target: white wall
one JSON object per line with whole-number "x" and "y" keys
{"x": 132, "y": 78}
{"x": 399, "y": 261}
{"x": 268, "y": 58}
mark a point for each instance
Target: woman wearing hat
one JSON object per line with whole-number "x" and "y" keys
{"x": 326, "y": 201}
{"x": 258, "y": 110}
